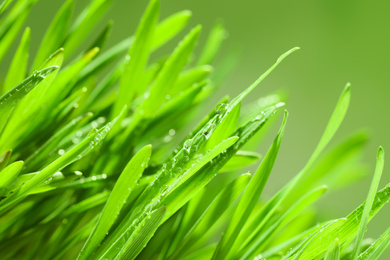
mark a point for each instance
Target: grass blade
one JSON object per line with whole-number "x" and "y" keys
{"x": 249, "y": 197}
{"x": 377, "y": 248}
{"x": 9, "y": 174}
{"x": 333, "y": 251}
{"x": 18, "y": 68}
{"x": 380, "y": 161}
{"x": 121, "y": 191}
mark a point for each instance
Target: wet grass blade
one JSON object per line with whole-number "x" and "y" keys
{"x": 9, "y": 174}
{"x": 121, "y": 191}
{"x": 380, "y": 161}
{"x": 377, "y": 248}
{"x": 139, "y": 56}
{"x": 333, "y": 251}
{"x": 249, "y": 197}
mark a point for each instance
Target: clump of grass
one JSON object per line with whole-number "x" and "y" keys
{"x": 96, "y": 162}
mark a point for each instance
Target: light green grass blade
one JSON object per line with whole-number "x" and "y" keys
{"x": 211, "y": 215}
{"x": 142, "y": 234}
{"x": 139, "y": 56}
{"x": 170, "y": 27}
{"x": 55, "y": 34}
{"x": 380, "y": 161}
{"x": 9, "y": 174}
{"x": 18, "y": 68}
{"x": 241, "y": 159}
{"x": 348, "y": 230}
{"x": 84, "y": 24}
{"x": 189, "y": 78}
{"x": 213, "y": 44}
{"x": 169, "y": 73}
{"x": 249, "y": 197}
{"x": 121, "y": 191}
{"x": 4, "y": 5}
{"x": 262, "y": 238}
{"x": 73, "y": 155}
{"x": 333, "y": 251}
{"x": 9, "y": 100}
{"x": 377, "y": 248}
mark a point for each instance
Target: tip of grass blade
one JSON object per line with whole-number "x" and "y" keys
{"x": 284, "y": 55}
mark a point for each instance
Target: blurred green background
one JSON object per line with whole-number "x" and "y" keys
{"x": 341, "y": 41}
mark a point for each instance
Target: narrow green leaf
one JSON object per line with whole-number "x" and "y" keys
{"x": 169, "y": 73}
{"x": 333, "y": 251}
{"x": 189, "y": 78}
{"x": 377, "y": 248}
{"x": 170, "y": 27}
{"x": 69, "y": 157}
{"x": 9, "y": 174}
{"x": 139, "y": 56}
{"x": 249, "y": 197}
{"x": 4, "y": 5}
{"x": 121, "y": 191}
{"x": 55, "y": 34}
{"x": 241, "y": 159}
{"x": 9, "y": 100}
{"x": 84, "y": 24}
{"x": 4, "y": 159}
{"x": 18, "y": 68}
{"x": 380, "y": 161}
{"x": 102, "y": 38}
{"x": 142, "y": 234}
{"x": 213, "y": 44}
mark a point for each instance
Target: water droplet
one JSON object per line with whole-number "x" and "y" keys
{"x": 172, "y": 132}
{"x": 104, "y": 176}
{"x": 61, "y": 152}
{"x": 48, "y": 180}
{"x": 84, "y": 89}
{"x": 167, "y": 97}
{"x": 94, "y": 178}
{"x": 94, "y": 124}
{"x": 78, "y": 173}
{"x": 221, "y": 108}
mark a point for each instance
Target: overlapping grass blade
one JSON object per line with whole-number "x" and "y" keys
{"x": 377, "y": 248}
{"x": 121, "y": 191}
{"x": 333, "y": 252}
{"x": 380, "y": 161}
{"x": 249, "y": 197}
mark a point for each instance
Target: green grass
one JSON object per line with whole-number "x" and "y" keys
{"x": 108, "y": 153}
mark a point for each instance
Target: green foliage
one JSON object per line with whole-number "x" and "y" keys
{"x": 96, "y": 161}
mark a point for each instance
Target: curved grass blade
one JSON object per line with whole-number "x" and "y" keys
{"x": 213, "y": 44}
{"x": 9, "y": 174}
{"x": 121, "y": 191}
{"x": 73, "y": 155}
{"x": 55, "y": 34}
{"x": 9, "y": 100}
{"x": 380, "y": 161}
{"x": 241, "y": 159}
{"x": 333, "y": 251}
{"x": 377, "y": 248}
{"x": 139, "y": 56}
{"x": 249, "y": 197}
{"x": 18, "y": 68}
{"x": 141, "y": 236}
{"x": 170, "y": 27}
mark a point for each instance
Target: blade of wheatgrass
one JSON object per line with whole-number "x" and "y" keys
{"x": 121, "y": 191}
{"x": 333, "y": 251}
{"x": 9, "y": 100}
{"x": 263, "y": 215}
{"x": 55, "y": 34}
{"x": 73, "y": 155}
{"x": 101, "y": 40}
{"x": 241, "y": 159}
{"x": 9, "y": 174}
{"x": 249, "y": 197}
{"x": 170, "y": 27}
{"x": 189, "y": 78}
{"x": 4, "y": 159}
{"x": 213, "y": 44}
{"x": 18, "y": 68}
{"x": 141, "y": 236}
{"x": 377, "y": 248}
{"x": 139, "y": 55}
{"x": 4, "y": 5}
{"x": 380, "y": 161}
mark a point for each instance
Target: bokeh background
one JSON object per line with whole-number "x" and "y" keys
{"x": 341, "y": 41}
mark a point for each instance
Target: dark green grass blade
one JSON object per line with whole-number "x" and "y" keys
{"x": 380, "y": 161}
